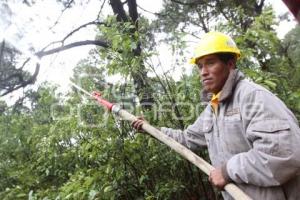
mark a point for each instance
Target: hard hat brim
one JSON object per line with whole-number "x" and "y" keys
{"x": 194, "y": 59}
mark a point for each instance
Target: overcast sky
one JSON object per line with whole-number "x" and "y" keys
{"x": 35, "y": 23}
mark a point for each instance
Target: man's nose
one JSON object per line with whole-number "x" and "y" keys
{"x": 203, "y": 71}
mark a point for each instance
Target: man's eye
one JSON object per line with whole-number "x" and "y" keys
{"x": 210, "y": 63}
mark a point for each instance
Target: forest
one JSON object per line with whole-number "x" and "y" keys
{"x": 56, "y": 145}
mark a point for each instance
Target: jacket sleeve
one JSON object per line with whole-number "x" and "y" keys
{"x": 193, "y": 137}
{"x": 274, "y": 134}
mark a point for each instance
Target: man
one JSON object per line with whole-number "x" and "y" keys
{"x": 253, "y": 139}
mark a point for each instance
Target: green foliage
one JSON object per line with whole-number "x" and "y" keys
{"x": 291, "y": 43}
{"x": 124, "y": 40}
{"x": 260, "y": 43}
{"x": 58, "y": 151}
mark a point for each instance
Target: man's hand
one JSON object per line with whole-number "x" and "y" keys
{"x": 137, "y": 124}
{"x": 217, "y": 179}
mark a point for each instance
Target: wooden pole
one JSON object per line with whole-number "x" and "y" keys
{"x": 204, "y": 166}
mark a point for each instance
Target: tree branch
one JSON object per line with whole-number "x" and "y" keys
{"x": 188, "y": 4}
{"x": 72, "y": 45}
{"x": 204, "y": 25}
{"x": 98, "y": 15}
{"x": 259, "y": 6}
{"x": 62, "y": 12}
{"x": 25, "y": 62}
{"x": 96, "y": 22}
{"x": 157, "y": 14}
{"x": 132, "y": 7}
{"x": 118, "y": 10}
{"x": 220, "y": 6}
{"x": 31, "y": 80}
{"x": 82, "y": 26}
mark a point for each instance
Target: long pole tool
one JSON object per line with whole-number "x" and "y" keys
{"x": 204, "y": 166}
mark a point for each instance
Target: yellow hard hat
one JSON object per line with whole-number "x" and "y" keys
{"x": 215, "y": 42}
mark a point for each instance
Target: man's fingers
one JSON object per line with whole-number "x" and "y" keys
{"x": 217, "y": 179}
{"x": 137, "y": 124}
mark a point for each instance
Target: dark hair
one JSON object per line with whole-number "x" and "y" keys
{"x": 225, "y": 57}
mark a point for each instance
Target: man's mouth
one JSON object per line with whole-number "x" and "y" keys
{"x": 206, "y": 80}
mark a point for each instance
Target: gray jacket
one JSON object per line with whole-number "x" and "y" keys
{"x": 255, "y": 138}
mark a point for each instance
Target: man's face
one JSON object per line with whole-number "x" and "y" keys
{"x": 214, "y": 72}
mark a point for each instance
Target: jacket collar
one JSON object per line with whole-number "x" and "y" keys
{"x": 234, "y": 77}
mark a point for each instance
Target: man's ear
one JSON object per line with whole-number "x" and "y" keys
{"x": 231, "y": 63}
